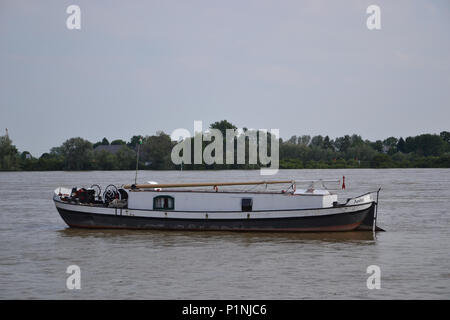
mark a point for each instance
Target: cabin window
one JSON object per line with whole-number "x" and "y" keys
{"x": 163, "y": 203}
{"x": 247, "y": 204}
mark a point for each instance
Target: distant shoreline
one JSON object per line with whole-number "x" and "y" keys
{"x": 298, "y": 152}
{"x": 237, "y": 169}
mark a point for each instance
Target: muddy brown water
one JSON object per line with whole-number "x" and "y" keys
{"x": 36, "y": 247}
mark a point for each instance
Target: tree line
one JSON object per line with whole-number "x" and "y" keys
{"x": 297, "y": 152}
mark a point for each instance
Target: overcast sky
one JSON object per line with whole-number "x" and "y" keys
{"x": 304, "y": 67}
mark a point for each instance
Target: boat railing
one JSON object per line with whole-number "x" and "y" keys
{"x": 377, "y": 192}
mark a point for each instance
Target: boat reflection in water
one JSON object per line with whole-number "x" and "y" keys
{"x": 163, "y": 237}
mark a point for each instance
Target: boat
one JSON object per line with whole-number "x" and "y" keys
{"x": 216, "y": 206}
{"x": 183, "y": 206}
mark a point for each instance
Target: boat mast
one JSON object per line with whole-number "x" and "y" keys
{"x": 137, "y": 159}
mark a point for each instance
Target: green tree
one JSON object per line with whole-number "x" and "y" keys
{"x": 401, "y": 145}
{"x": 292, "y": 140}
{"x": 327, "y": 143}
{"x": 25, "y": 155}
{"x": 50, "y": 161}
{"x": 377, "y": 145}
{"x": 362, "y": 152}
{"x": 381, "y": 160}
{"x": 9, "y": 156}
{"x": 292, "y": 151}
{"x": 27, "y": 162}
{"x": 317, "y": 141}
{"x": 426, "y": 145}
{"x": 390, "y": 145}
{"x": 304, "y": 140}
{"x": 342, "y": 143}
{"x": 445, "y": 135}
{"x": 104, "y": 142}
{"x": 223, "y": 126}
{"x": 356, "y": 141}
{"x": 104, "y": 160}
{"x": 126, "y": 158}
{"x": 118, "y": 142}
{"x": 77, "y": 154}
{"x": 156, "y": 150}
{"x": 134, "y": 141}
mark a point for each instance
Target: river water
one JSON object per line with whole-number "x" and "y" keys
{"x": 413, "y": 255}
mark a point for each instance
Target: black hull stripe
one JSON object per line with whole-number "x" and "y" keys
{"x": 335, "y": 222}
